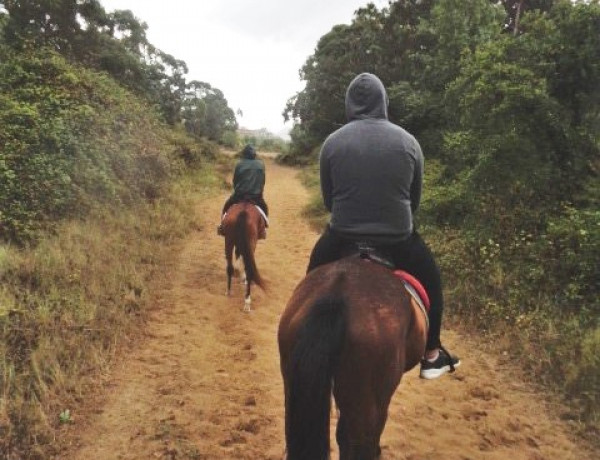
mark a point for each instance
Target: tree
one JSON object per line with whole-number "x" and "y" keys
{"x": 339, "y": 56}
{"x": 414, "y": 46}
{"x": 55, "y": 23}
{"x": 81, "y": 30}
{"x": 525, "y": 135}
{"x": 206, "y": 112}
{"x": 516, "y": 9}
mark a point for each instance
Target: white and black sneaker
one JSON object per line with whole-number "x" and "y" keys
{"x": 445, "y": 362}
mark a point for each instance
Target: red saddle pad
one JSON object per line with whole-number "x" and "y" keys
{"x": 416, "y": 284}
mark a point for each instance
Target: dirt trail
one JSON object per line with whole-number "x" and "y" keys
{"x": 206, "y": 383}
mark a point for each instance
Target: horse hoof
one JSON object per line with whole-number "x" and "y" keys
{"x": 247, "y": 305}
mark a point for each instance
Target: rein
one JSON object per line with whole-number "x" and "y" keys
{"x": 371, "y": 254}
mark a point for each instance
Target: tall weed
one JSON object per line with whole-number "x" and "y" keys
{"x": 67, "y": 304}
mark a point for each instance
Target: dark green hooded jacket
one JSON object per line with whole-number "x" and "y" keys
{"x": 249, "y": 175}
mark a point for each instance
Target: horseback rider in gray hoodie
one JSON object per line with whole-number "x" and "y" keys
{"x": 371, "y": 178}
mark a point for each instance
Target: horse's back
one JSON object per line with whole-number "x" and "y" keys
{"x": 250, "y": 214}
{"x": 370, "y": 290}
{"x": 377, "y": 310}
{"x": 235, "y": 210}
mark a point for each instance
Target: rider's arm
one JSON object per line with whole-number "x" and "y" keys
{"x": 417, "y": 182}
{"x": 326, "y": 185}
{"x": 263, "y": 178}
{"x": 237, "y": 174}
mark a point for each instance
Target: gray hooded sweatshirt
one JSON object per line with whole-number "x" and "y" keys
{"x": 371, "y": 169}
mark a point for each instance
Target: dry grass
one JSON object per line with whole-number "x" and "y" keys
{"x": 68, "y": 304}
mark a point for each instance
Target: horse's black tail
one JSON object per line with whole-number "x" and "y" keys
{"x": 243, "y": 246}
{"x": 310, "y": 375}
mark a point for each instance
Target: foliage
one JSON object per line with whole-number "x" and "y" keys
{"x": 230, "y": 139}
{"x": 515, "y": 9}
{"x": 83, "y": 32}
{"x": 115, "y": 42}
{"x": 70, "y": 303}
{"x": 339, "y": 56}
{"x": 315, "y": 212}
{"x": 504, "y": 98}
{"x": 206, "y": 113}
{"x": 265, "y": 143}
{"x": 94, "y": 191}
{"x": 413, "y": 46}
{"x": 70, "y": 141}
{"x": 299, "y": 145}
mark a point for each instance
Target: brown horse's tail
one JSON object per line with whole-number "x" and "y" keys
{"x": 310, "y": 376}
{"x": 243, "y": 246}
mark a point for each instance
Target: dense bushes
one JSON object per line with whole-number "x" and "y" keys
{"x": 72, "y": 140}
{"x": 505, "y": 103}
{"x": 94, "y": 192}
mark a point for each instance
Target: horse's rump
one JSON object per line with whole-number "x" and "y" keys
{"x": 246, "y": 234}
{"x": 350, "y": 329}
{"x": 241, "y": 226}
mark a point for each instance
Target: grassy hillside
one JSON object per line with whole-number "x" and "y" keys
{"x": 94, "y": 196}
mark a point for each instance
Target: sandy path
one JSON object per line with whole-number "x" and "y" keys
{"x": 206, "y": 382}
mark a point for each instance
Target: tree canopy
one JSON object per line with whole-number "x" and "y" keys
{"x": 504, "y": 97}
{"x": 116, "y": 42}
{"x": 76, "y": 83}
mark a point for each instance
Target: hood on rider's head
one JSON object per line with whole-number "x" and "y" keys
{"x": 249, "y": 152}
{"x": 366, "y": 98}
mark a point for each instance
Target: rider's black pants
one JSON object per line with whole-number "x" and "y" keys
{"x": 256, "y": 199}
{"x": 411, "y": 255}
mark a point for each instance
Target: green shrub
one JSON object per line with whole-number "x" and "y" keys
{"x": 73, "y": 140}
{"x": 68, "y": 303}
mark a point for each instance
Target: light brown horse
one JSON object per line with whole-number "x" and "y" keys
{"x": 350, "y": 329}
{"x": 241, "y": 227}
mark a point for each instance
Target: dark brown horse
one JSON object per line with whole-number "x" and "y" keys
{"x": 241, "y": 227}
{"x": 350, "y": 329}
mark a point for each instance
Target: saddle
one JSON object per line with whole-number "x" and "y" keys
{"x": 412, "y": 285}
{"x": 247, "y": 199}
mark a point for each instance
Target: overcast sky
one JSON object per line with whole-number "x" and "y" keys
{"x": 251, "y": 50}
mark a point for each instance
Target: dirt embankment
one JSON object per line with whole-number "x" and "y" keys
{"x": 205, "y": 383}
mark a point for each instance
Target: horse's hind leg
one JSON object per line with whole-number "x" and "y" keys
{"x": 229, "y": 276}
{"x": 363, "y": 406}
{"x": 247, "y": 298}
{"x": 358, "y": 441}
{"x": 230, "y": 270}
{"x": 248, "y": 279}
